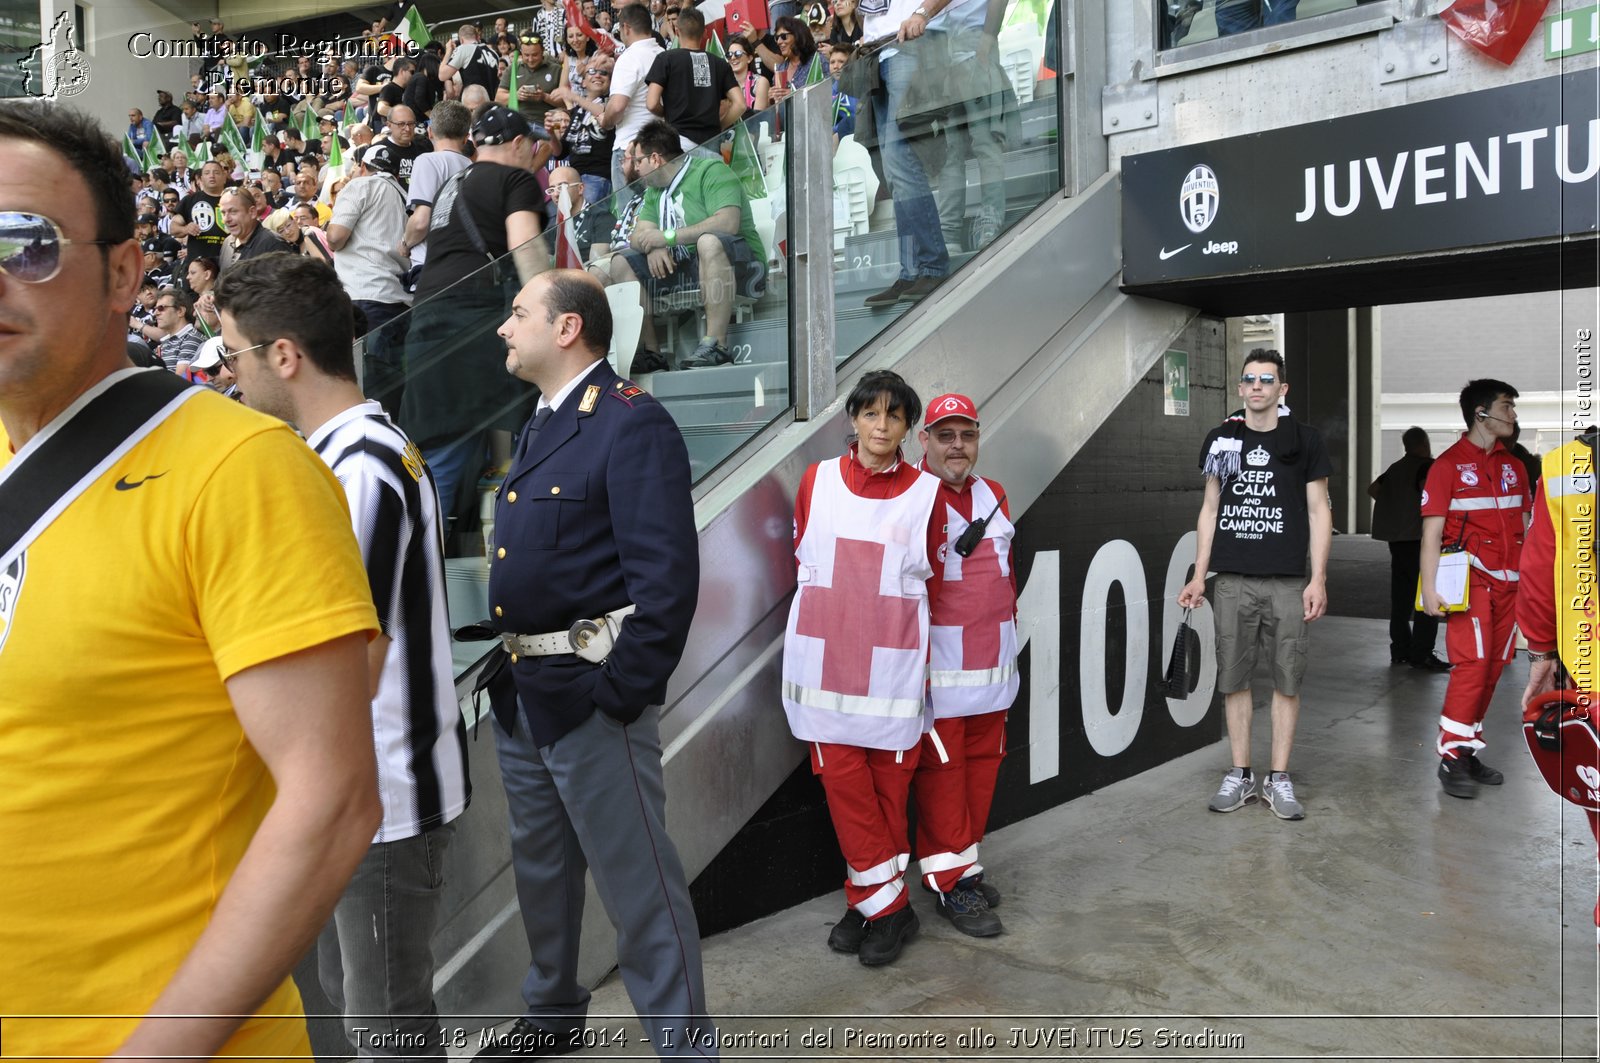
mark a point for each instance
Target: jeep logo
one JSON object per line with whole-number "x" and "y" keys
{"x": 1214, "y": 248}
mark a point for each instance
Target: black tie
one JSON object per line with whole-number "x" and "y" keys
{"x": 532, "y": 430}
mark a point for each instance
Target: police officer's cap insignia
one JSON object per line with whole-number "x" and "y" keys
{"x": 591, "y": 395}
{"x": 1258, "y": 457}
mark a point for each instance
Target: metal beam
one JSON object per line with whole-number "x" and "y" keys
{"x": 809, "y": 156}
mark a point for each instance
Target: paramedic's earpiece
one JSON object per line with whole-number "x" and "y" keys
{"x": 1482, "y": 415}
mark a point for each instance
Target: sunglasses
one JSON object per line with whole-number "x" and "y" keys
{"x": 229, "y": 357}
{"x": 737, "y": 54}
{"x": 784, "y": 36}
{"x": 30, "y": 246}
{"x": 1266, "y": 378}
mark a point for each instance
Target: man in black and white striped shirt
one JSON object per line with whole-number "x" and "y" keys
{"x": 287, "y": 325}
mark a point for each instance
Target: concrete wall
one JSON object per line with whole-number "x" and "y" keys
{"x": 1519, "y": 338}
{"x": 118, "y": 79}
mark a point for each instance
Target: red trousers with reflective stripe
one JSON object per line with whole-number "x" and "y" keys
{"x": 1480, "y": 644}
{"x": 954, "y": 787}
{"x": 867, "y": 791}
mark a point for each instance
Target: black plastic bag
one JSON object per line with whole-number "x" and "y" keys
{"x": 1183, "y": 668}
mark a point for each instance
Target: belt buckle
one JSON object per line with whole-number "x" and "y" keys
{"x": 581, "y": 633}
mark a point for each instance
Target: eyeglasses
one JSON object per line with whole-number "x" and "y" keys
{"x": 403, "y": 125}
{"x": 737, "y": 54}
{"x": 1267, "y": 379}
{"x": 30, "y": 246}
{"x": 166, "y": 306}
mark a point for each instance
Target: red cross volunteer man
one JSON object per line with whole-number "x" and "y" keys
{"x": 1475, "y": 500}
{"x": 855, "y": 654}
{"x": 972, "y": 670}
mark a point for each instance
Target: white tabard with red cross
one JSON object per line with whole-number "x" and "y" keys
{"x": 973, "y": 667}
{"x": 856, "y": 650}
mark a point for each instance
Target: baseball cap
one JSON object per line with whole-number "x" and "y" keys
{"x": 946, "y": 406}
{"x": 153, "y": 244}
{"x": 209, "y": 356}
{"x": 378, "y": 157}
{"x": 501, "y": 125}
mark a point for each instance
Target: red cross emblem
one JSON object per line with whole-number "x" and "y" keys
{"x": 972, "y": 604}
{"x": 852, "y": 618}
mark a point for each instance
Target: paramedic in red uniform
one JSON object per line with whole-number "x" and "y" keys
{"x": 972, "y": 668}
{"x": 1556, "y": 608}
{"x": 1475, "y": 499}
{"x": 856, "y": 650}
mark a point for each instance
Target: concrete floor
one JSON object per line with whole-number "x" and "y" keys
{"x": 1392, "y": 923}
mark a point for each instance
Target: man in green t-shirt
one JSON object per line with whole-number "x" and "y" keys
{"x": 694, "y": 228}
{"x": 537, "y": 76}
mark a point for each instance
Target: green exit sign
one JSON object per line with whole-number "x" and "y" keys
{"x": 1572, "y": 32}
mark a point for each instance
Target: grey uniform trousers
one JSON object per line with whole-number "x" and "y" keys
{"x": 594, "y": 800}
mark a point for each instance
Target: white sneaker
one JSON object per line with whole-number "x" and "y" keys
{"x": 1236, "y": 791}
{"x": 1279, "y": 795}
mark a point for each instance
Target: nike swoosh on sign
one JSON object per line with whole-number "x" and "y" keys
{"x": 124, "y": 485}
{"x": 1165, "y": 254}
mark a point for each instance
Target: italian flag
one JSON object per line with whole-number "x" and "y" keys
{"x": 412, "y": 29}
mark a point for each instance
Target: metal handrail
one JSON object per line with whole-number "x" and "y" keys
{"x": 482, "y": 15}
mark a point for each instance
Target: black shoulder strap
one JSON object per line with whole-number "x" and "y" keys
{"x": 42, "y": 482}
{"x": 467, "y": 223}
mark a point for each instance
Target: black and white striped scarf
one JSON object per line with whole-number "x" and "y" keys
{"x": 1223, "y": 459}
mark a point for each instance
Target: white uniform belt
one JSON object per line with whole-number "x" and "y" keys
{"x": 590, "y": 639}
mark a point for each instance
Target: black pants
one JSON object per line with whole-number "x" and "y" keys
{"x": 1411, "y": 634}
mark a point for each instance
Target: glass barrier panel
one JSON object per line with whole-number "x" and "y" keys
{"x": 702, "y": 325}
{"x": 1186, "y": 22}
{"x": 941, "y": 144}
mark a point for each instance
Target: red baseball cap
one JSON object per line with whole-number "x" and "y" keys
{"x": 947, "y": 406}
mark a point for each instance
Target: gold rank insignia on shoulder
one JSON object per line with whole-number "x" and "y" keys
{"x": 591, "y": 395}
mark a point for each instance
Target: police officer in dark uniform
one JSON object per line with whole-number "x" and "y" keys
{"x": 592, "y": 586}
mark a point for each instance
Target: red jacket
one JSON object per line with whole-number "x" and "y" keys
{"x": 1482, "y": 496}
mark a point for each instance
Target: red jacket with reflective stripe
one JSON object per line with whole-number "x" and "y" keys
{"x": 1482, "y": 496}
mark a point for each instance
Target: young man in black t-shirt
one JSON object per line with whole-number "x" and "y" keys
{"x": 693, "y": 90}
{"x": 456, "y": 384}
{"x": 1266, "y": 506}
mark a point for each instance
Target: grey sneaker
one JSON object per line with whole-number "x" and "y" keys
{"x": 1236, "y": 791}
{"x": 1278, "y": 793}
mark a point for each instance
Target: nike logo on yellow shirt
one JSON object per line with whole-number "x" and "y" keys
{"x": 124, "y": 485}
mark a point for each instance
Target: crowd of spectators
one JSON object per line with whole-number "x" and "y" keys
{"x": 631, "y": 114}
